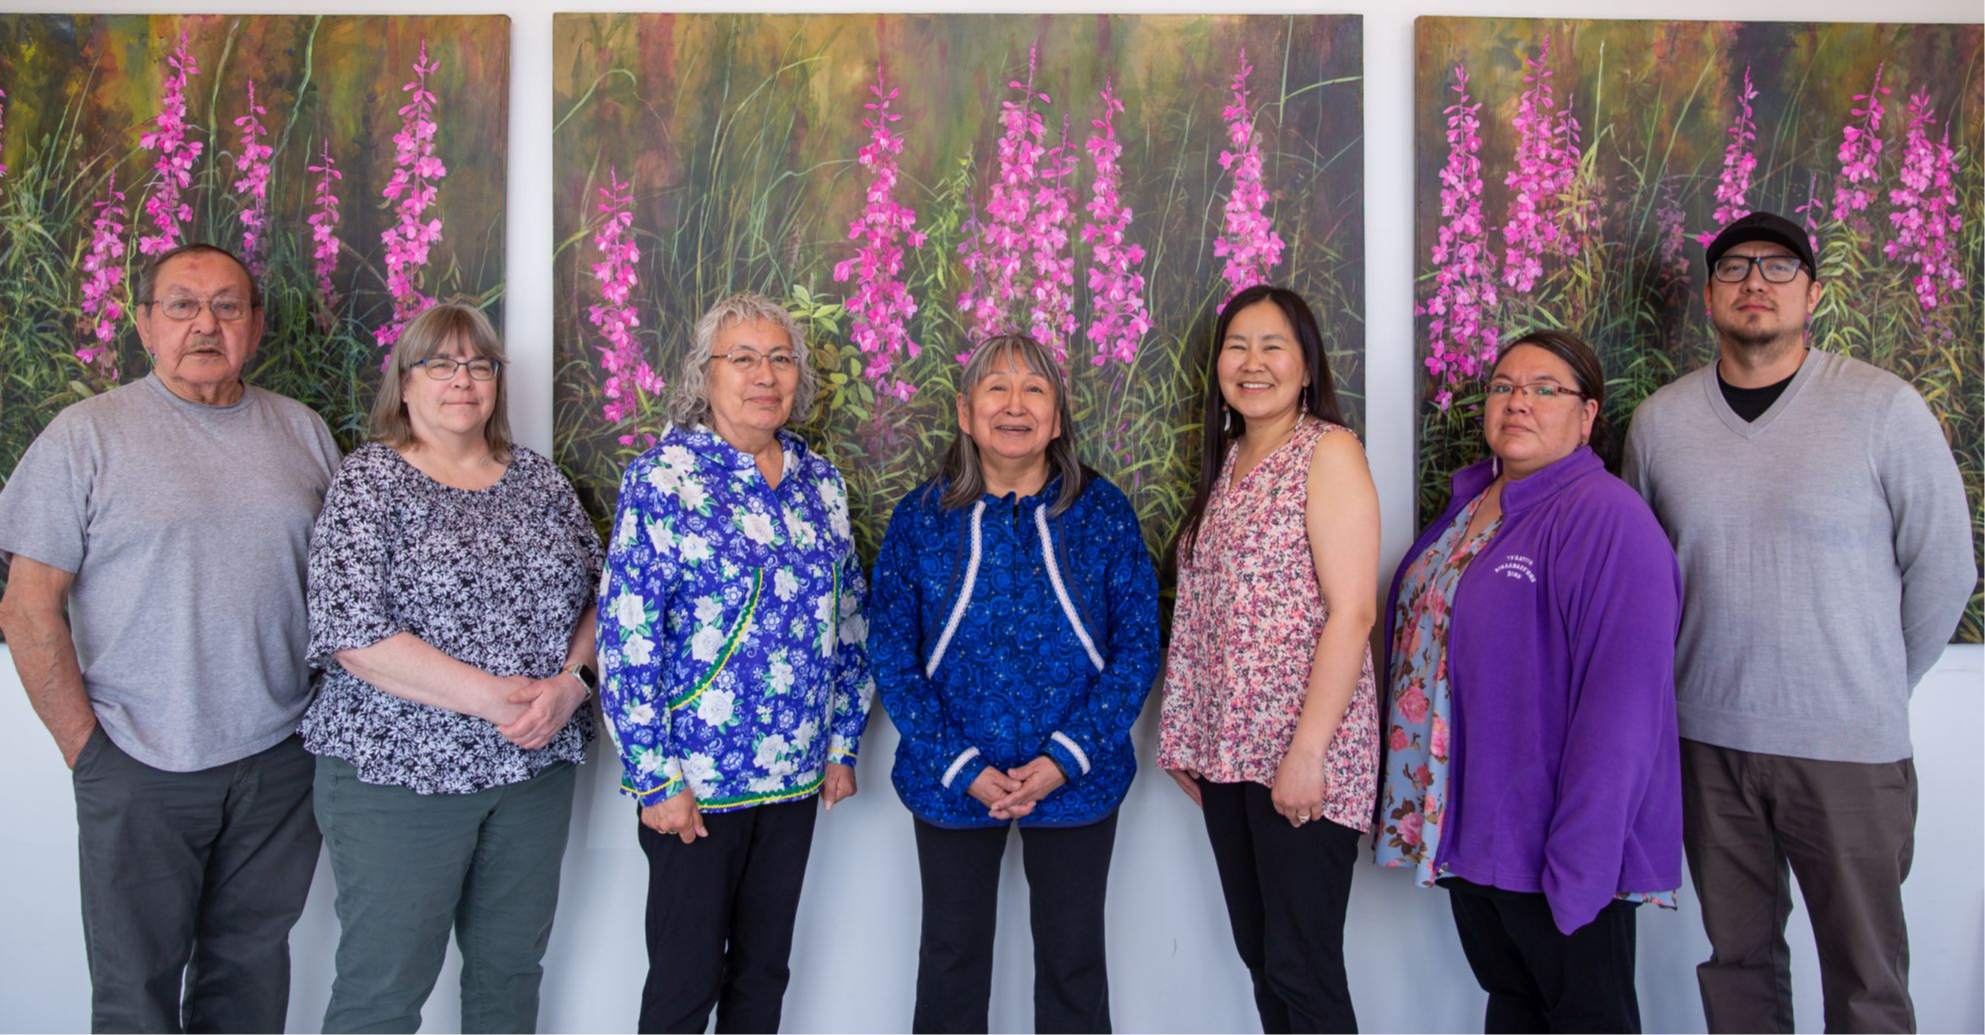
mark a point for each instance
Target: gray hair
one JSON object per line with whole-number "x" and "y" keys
{"x": 965, "y": 482}
{"x": 689, "y": 398}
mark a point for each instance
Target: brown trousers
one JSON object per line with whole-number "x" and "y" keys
{"x": 1847, "y": 830}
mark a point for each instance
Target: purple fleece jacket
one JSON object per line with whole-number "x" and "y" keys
{"x": 1564, "y": 773}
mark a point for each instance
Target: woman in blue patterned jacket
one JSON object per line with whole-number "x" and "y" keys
{"x": 733, "y": 674}
{"x": 1015, "y": 638}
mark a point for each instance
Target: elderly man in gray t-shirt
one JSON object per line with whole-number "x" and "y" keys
{"x": 171, "y": 519}
{"x": 1826, "y": 556}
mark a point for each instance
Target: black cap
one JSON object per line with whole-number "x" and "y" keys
{"x": 1764, "y": 226}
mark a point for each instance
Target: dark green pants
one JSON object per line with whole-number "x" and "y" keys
{"x": 409, "y": 867}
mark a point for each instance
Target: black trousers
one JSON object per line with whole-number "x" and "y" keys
{"x": 1286, "y": 889}
{"x": 1068, "y": 873}
{"x": 191, "y": 883}
{"x": 720, "y": 918}
{"x": 1539, "y": 978}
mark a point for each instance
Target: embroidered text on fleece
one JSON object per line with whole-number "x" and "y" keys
{"x": 730, "y": 625}
{"x": 1002, "y": 634}
{"x": 1564, "y": 768}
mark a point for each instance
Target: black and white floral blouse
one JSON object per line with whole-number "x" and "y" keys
{"x": 496, "y": 578}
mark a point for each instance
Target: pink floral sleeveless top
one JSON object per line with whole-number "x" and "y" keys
{"x": 1243, "y": 632}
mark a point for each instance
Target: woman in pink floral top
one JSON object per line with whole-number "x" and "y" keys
{"x": 1270, "y": 708}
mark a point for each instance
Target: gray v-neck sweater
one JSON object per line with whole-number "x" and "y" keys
{"x": 1826, "y": 556}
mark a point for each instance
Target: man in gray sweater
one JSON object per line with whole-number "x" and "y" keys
{"x": 1826, "y": 557}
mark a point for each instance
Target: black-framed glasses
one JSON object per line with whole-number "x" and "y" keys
{"x": 1504, "y": 391}
{"x": 225, "y": 309}
{"x": 441, "y": 368}
{"x": 746, "y": 359}
{"x": 1777, "y": 269}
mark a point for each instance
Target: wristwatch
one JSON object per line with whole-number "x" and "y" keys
{"x": 585, "y": 673}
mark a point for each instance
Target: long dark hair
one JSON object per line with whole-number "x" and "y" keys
{"x": 1220, "y": 426}
{"x": 959, "y": 469}
{"x": 1585, "y": 370}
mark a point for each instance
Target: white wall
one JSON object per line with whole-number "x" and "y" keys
{"x": 1172, "y": 963}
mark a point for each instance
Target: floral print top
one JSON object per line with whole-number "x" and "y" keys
{"x": 1243, "y": 632}
{"x": 733, "y": 651}
{"x": 496, "y": 578}
{"x": 1419, "y": 719}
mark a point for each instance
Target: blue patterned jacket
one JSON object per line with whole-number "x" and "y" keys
{"x": 1000, "y": 634}
{"x": 730, "y": 625}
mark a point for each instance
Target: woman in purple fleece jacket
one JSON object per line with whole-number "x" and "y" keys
{"x": 1532, "y": 763}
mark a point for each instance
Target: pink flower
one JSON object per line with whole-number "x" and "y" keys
{"x": 173, "y": 171}
{"x": 253, "y": 164}
{"x": 1413, "y": 705}
{"x": 882, "y": 305}
{"x": 1547, "y": 162}
{"x": 1410, "y": 827}
{"x": 1248, "y": 240}
{"x": 105, "y": 268}
{"x": 1738, "y": 164}
{"x": 1926, "y": 216}
{"x": 1116, "y": 289}
{"x": 1437, "y": 740}
{"x": 996, "y": 252}
{"x": 1399, "y": 741}
{"x": 627, "y": 370}
{"x": 324, "y": 226}
{"x": 1860, "y": 149}
{"x": 1051, "y": 297}
{"x": 412, "y": 190}
{"x": 1462, "y": 330}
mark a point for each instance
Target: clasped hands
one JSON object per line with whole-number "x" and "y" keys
{"x": 1014, "y": 793}
{"x": 535, "y": 710}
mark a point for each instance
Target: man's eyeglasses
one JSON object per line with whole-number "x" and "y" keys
{"x": 226, "y": 310}
{"x": 747, "y": 359}
{"x": 1504, "y": 391}
{"x": 441, "y": 368}
{"x": 1777, "y": 269}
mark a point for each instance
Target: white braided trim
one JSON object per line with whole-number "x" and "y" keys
{"x": 959, "y": 763}
{"x": 964, "y": 597}
{"x": 1061, "y": 591}
{"x": 1081, "y": 756}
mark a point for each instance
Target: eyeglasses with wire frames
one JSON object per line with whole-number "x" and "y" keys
{"x": 1535, "y": 391}
{"x": 1777, "y": 269}
{"x": 441, "y": 368}
{"x": 226, "y": 308}
{"x": 745, "y": 358}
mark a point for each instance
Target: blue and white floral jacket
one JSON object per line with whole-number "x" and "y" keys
{"x": 1001, "y": 634}
{"x": 731, "y": 638}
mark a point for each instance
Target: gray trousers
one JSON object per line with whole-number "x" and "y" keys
{"x": 190, "y": 885}
{"x": 1848, "y": 831}
{"x": 410, "y": 867}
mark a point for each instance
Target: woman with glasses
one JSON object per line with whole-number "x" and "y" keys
{"x": 1532, "y": 764}
{"x": 1016, "y": 638}
{"x": 736, "y": 678}
{"x": 450, "y": 592}
{"x": 1270, "y": 717}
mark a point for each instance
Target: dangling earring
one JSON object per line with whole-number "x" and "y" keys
{"x": 1495, "y": 467}
{"x": 1226, "y": 420}
{"x": 1303, "y": 402}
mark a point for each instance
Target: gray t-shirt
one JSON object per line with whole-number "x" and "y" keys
{"x": 1826, "y": 556}
{"x": 188, "y": 529}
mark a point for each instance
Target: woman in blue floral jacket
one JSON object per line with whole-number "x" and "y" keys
{"x": 1015, "y": 639}
{"x": 733, "y": 672}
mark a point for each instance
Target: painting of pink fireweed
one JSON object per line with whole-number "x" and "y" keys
{"x": 357, "y": 163}
{"x": 1570, "y": 174}
{"x": 908, "y": 185}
